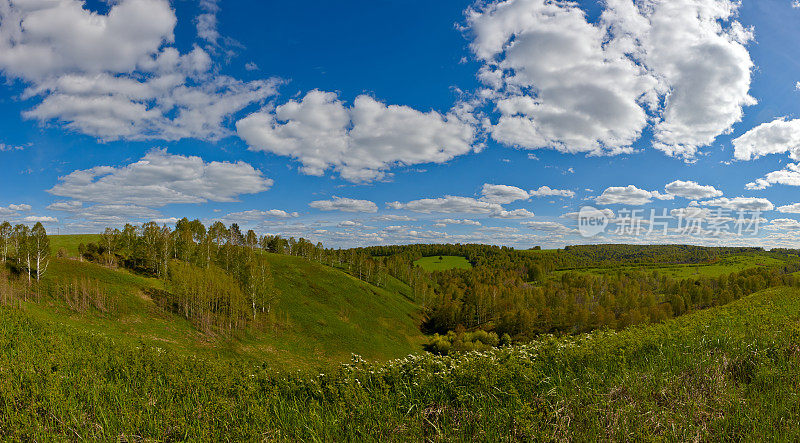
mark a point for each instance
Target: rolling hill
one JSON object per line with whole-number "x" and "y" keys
{"x": 323, "y": 315}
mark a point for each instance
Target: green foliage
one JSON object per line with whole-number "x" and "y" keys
{"x": 86, "y": 354}
{"x": 461, "y": 341}
{"x": 580, "y": 302}
{"x": 209, "y": 298}
{"x": 26, "y": 248}
{"x": 40, "y": 249}
{"x": 6, "y": 231}
{"x": 259, "y": 285}
{"x": 519, "y": 293}
{"x": 613, "y": 255}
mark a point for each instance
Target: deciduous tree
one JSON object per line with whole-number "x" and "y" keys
{"x": 39, "y": 249}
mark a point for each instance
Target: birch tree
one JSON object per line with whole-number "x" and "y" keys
{"x": 259, "y": 284}
{"x": 39, "y": 250}
{"x": 5, "y": 238}
{"x": 22, "y": 248}
{"x": 110, "y": 238}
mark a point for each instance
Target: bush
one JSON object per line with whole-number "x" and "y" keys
{"x": 461, "y": 341}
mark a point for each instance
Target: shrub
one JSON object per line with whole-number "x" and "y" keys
{"x": 461, "y": 341}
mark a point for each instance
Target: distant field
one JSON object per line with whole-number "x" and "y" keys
{"x": 725, "y": 265}
{"x": 71, "y": 242}
{"x": 443, "y": 263}
{"x": 540, "y": 251}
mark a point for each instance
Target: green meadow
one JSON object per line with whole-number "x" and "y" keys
{"x": 443, "y": 263}
{"x": 70, "y": 243}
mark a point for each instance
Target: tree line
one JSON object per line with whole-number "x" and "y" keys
{"x": 216, "y": 277}
{"x": 26, "y": 249}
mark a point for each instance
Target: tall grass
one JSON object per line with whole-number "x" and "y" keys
{"x": 725, "y": 373}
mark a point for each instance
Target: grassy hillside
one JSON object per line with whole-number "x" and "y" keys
{"x": 323, "y": 316}
{"x": 726, "y": 373}
{"x": 443, "y": 263}
{"x": 332, "y": 315}
{"x": 70, "y": 242}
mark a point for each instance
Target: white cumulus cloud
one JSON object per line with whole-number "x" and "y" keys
{"x": 741, "y": 203}
{"x": 159, "y": 179}
{"x": 394, "y": 217}
{"x": 775, "y": 137}
{"x": 561, "y": 82}
{"x": 546, "y": 191}
{"x": 344, "y": 205}
{"x": 548, "y": 226}
{"x": 40, "y": 219}
{"x": 558, "y": 85}
{"x": 359, "y": 142}
{"x": 450, "y": 221}
{"x": 691, "y": 190}
{"x": 14, "y": 209}
{"x": 629, "y": 195}
{"x": 117, "y": 75}
{"x": 789, "y": 175}
{"x": 20, "y": 207}
{"x": 502, "y": 194}
{"x": 256, "y": 215}
{"x": 783, "y": 224}
{"x": 793, "y": 208}
{"x": 451, "y": 204}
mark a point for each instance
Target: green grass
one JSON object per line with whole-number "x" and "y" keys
{"x": 70, "y": 242}
{"x": 723, "y": 266}
{"x": 136, "y": 319}
{"x": 118, "y": 281}
{"x": 332, "y": 315}
{"x": 727, "y": 374}
{"x": 323, "y": 316}
{"x": 443, "y": 263}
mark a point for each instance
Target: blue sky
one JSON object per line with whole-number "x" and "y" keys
{"x": 402, "y": 121}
